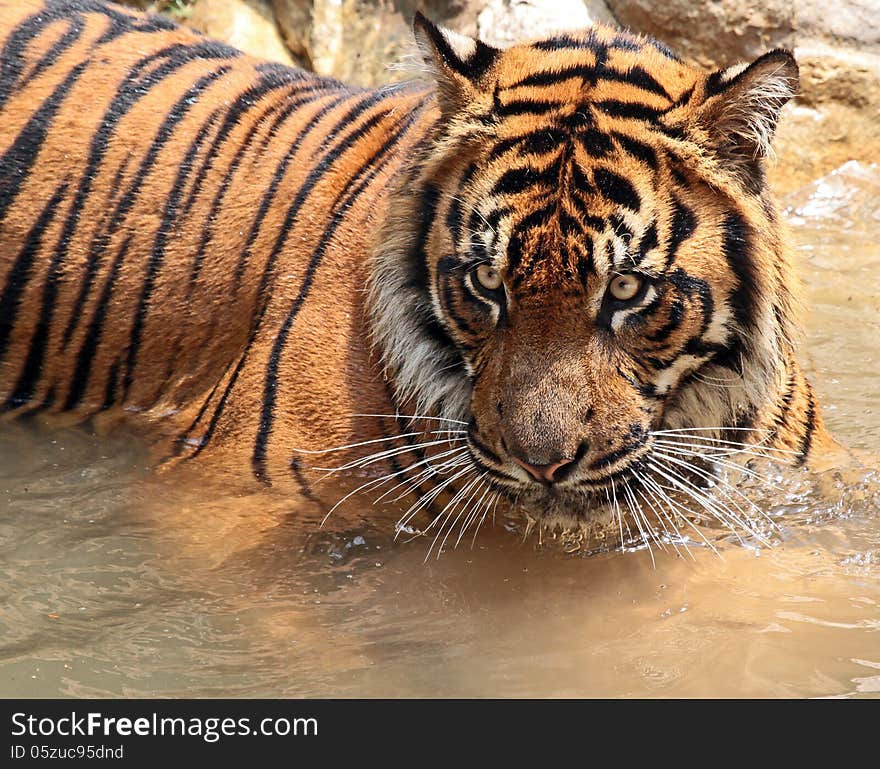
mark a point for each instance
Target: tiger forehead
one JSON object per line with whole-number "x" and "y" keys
{"x": 599, "y": 62}
{"x": 546, "y": 260}
{"x": 567, "y": 217}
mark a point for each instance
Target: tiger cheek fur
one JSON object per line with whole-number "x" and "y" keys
{"x": 564, "y": 246}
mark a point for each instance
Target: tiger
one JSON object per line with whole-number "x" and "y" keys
{"x": 552, "y": 274}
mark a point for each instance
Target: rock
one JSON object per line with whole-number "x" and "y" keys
{"x": 714, "y": 33}
{"x": 852, "y": 22}
{"x": 353, "y": 40}
{"x": 502, "y": 22}
{"x": 246, "y": 24}
{"x": 368, "y": 42}
{"x": 835, "y": 119}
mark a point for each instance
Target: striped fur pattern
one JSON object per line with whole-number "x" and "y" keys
{"x": 243, "y": 257}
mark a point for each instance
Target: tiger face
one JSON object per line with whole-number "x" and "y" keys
{"x": 595, "y": 258}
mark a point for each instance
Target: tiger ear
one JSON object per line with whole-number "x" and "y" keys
{"x": 742, "y": 106}
{"x": 459, "y": 63}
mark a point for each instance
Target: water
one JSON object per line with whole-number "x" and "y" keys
{"x": 120, "y": 583}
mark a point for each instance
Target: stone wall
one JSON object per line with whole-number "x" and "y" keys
{"x": 836, "y": 118}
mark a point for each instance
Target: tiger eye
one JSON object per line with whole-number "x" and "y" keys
{"x": 489, "y": 277}
{"x": 625, "y": 287}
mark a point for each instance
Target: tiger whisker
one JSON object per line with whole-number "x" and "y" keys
{"x": 733, "y": 466}
{"x": 360, "y": 443}
{"x": 619, "y": 521}
{"x": 492, "y": 503}
{"x": 710, "y": 441}
{"x": 683, "y": 515}
{"x": 376, "y": 482}
{"x": 673, "y": 533}
{"x": 620, "y": 516}
{"x": 636, "y": 518}
{"x": 413, "y": 418}
{"x": 709, "y": 477}
{"x": 429, "y": 471}
{"x": 721, "y": 513}
{"x": 722, "y": 383}
{"x": 428, "y": 498}
{"x": 717, "y": 451}
{"x": 472, "y": 515}
{"x": 451, "y": 506}
{"x": 718, "y": 512}
{"x": 387, "y": 454}
{"x": 463, "y": 511}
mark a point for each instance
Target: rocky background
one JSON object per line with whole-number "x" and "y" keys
{"x": 837, "y": 43}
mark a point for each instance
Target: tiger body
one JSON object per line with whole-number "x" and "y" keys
{"x": 166, "y": 275}
{"x": 245, "y": 258}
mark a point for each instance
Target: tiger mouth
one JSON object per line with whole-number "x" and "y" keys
{"x": 577, "y": 490}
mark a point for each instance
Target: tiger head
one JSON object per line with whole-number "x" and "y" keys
{"x": 585, "y": 253}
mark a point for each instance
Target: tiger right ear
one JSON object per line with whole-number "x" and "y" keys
{"x": 459, "y": 63}
{"x": 742, "y": 107}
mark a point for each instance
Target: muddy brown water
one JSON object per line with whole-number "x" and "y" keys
{"x": 116, "y": 583}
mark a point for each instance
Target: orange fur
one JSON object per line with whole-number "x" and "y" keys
{"x": 242, "y": 257}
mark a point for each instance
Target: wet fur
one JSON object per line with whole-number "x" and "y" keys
{"x": 242, "y": 258}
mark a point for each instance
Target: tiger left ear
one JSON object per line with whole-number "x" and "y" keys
{"x": 742, "y": 106}
{"x": 459, "y": 63}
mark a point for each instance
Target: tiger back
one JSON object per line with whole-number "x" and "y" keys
{"x": 183, "y": 226}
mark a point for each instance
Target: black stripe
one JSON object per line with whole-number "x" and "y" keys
{"x": 526, "y": 107}
{"x": 101, "y": 239}
{"x": 304, "y": 486}
{"x": 110, "y": 388}
{"x": 454, "y": 214}
{"x": 637, "y": 76}
{"x": 785, "y": 405}
{"x": 448, "y": 303}
{"x": 18, "y": 277}
{"x": 809, "y": 426}
{"x": 592, "y": 73}
{"x": 557, "y": 42}
{"x": 595, "y": 143}
{"x": 586, "y": 72}
{"x": 676, "y": 316}
{"x": 13, "y": 58}
{"x": 233, "y": 113}
{"x": 648, "y": 242}
{"x": 683, "y": 224}
{"x": 85, "y": 357}
{"x": 300, "y": 96}
{"x": 70, "y": 36}
{"x": 736, "y": 247}
{"x": 692, "y": 286}
{"x": 350, "y": 195}
{"x": 596, "y": 223}
{"x": 269, "y": 196}
{"x": 518, "y": 180}
{"x": 616, "y": 189}
{"x": 89, "y": 346}
{"x": 585, "y": 264}
{"x": 420, "y": 276}
{"x": 637, "y": 149}
{"x": 132, "y": 90}
{"x": 314, "y": 176}
{"x": 629, "y": 109}
{"x": 16, "y": 163}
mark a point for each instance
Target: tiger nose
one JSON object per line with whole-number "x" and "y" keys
{"x": 542, "y": 473}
